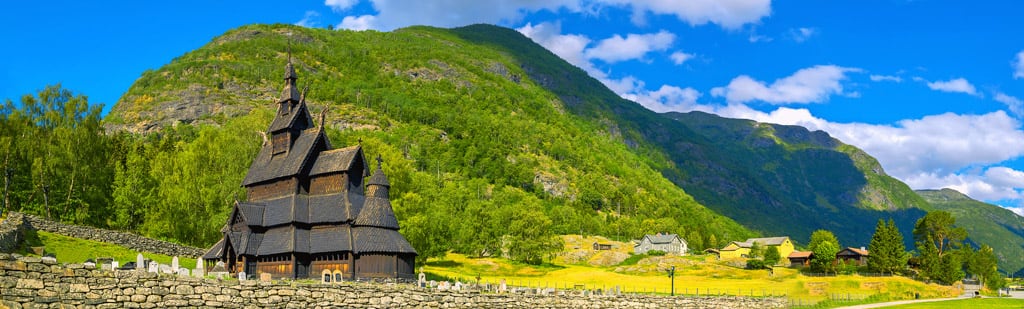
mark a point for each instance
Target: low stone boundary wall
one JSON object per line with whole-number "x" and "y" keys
{"x": 32, "y": 282}
{"x": 128, "y": 240}
{"x": 12, "y": 231}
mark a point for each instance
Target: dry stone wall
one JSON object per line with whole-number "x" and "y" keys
{"x": 130, "y": 241}
{"x": 12, "y": 231}
{"x": 27, "y": 282}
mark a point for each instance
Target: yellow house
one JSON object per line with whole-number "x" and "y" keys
{"x": 738, "y": 249}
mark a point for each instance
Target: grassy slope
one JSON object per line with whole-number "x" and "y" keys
{"x": 689, "y": 277}
{"x": 988, "y": 224}
{"x": 76, "y": 250}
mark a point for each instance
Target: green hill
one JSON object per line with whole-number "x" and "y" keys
{"x": 475, "y": 147}
{"x": 985, "y": 223}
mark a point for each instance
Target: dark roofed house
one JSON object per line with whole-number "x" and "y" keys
{"x": 858, "y": 256}
{"x": 307, "y": 210}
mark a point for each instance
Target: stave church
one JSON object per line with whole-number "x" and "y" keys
{"x": 312, "y": 209}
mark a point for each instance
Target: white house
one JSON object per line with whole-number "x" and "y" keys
{"x": 670, "y": 243}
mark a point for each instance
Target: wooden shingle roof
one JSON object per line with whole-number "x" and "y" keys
{"x": 268, "y": 167}
{"x": 336, "y": 160}
{"x": 369, "y": 239}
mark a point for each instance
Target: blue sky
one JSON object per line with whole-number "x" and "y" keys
{"x": 933, "y": 89}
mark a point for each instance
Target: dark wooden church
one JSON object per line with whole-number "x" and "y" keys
{"x": 307, "y": 212}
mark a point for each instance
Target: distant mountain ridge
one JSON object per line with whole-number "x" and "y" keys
{"x": 485, "y": 103}
{"x": 780, "y": 180}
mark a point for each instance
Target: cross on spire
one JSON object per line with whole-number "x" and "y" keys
{"x": 379, "y": 161}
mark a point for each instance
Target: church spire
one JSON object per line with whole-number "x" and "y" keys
{"x": 290, "y": 93}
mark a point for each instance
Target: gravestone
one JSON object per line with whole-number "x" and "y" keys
{"x": 503, "y": 288}
{"x": 174, "y": 264}
{"x": 458, "y": 286}
{"x": 423, "y": 279}
{"x": 265, "y": 277}
{"x": 106, "y": 267}
{"x": 200, "y": 269}
{"x": 154, "y": 267}
{"x": 89, "y": 264}
{"x": 140, "y": 262}
{"x": 326, "y": 277}
{"x": 165, "y": 269}
{"x": 338, "y": 278}
{"x": 433, "y": 283}
{"x": 182, "y": 272}
{"x": 241, "y": 276}
{"x": 115, "y": 264}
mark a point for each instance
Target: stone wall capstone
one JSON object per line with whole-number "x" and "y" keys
{"x": 28, "y": 282}
{"x": 127, "y": 240}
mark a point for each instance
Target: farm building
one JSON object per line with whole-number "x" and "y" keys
{"x": 669, "y": 243}
{"x": 738, "y": 249}
{"x": 858, "y": 256}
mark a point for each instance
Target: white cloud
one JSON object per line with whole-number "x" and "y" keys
{"x": 394, "y": 14}
{"x": 886, "y": 78}
{"x": 954, "y": 85}
{"x": 939, "y": 144}
{"x": 309, "y": 20}
{"x": 680, "y": 57}
{"x": 809, "y": 85}
{"x": 730, "y": 14}
{"x": 802, "y": 34}
{"x": 633, "y": 46}
{"x": 1018, "y": 66}
{"x": 961, "y": 152}
{"x": 569, "y": 47}
{"x": 666, "y": 99}
{"x": 1015, "y": 105}
{"x": 340, "y": 5}
{"x": 360, "y": 23}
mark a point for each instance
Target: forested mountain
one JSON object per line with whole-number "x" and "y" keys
{"x": 985, "y": 223}
{"x": 481, "y": 156}
{"x": 780, "y": 180}
{"x": 489, "y": 140}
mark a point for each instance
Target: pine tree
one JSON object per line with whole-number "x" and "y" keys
{"x": 888, "y": 255}
{"x": 929, "y": 258}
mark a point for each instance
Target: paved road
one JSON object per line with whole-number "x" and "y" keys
{"x": 902, "y": 302}
{"x": 968, "y": 293}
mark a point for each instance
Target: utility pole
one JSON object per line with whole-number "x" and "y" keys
{"x": 672, "y": 274}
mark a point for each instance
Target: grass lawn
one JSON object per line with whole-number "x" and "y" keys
{"x": 693, "y": 274}
{"x": 75, "y": 250}
{"x": 974, "y": 303}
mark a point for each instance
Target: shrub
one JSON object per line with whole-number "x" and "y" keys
{"x": 656, "y": 253}
{"x": 756, "y": 264}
